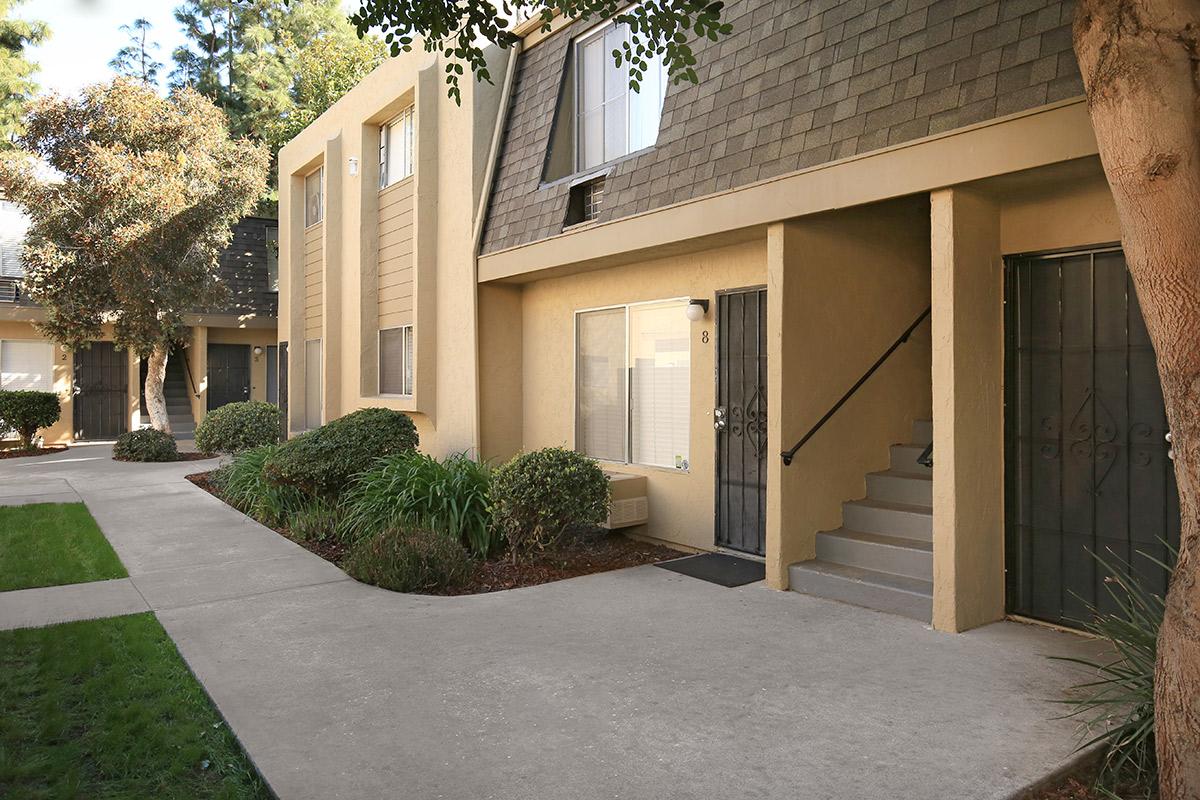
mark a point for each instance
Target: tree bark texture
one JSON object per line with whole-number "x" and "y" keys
{"x": 156, "y": 400}
{"x": 1140, "y": 61}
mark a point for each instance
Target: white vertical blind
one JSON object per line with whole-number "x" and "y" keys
{"x": 601, "y": 399}
{"x": 395, "y": 360}
{"x": 312, "y": 384}
{"x": 660, "y": 352}
{"x": 396, "y": 145}
{"x": 13, "y": 227}
{"x": 27, "y": 365}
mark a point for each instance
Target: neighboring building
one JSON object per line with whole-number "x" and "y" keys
{"x": 839, "y": 170}
{"x": 227, "y": 354}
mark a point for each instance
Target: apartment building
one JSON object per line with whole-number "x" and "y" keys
{"x": 853, "y": 304}
{"x": 226, "y": 354}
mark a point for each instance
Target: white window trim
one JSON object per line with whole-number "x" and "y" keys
{"x": 378, "y": 365}
{"x": 385, "y": 149}
{"x": 320, "y": 195}
{"x": 627, "y": 462}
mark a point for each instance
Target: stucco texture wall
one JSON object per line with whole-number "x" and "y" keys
{"x": 681, "y": 503}
{"x": 60, "y": 432}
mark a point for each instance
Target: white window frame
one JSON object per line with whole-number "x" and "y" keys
{"x": 320, "y": 215}
{"x": 49, "y": 346}
{"x": 407, "y": 118}
{"x": 407, "y": 369}
{"x": 576, "y": 49}
{"x": 628, "y": 421}
{"x": 272, "y": 280}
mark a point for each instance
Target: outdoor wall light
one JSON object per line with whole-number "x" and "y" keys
{"x": 258, "y": 351}
{"x": 353, "y": 164}
{"x": 696, "y": 309}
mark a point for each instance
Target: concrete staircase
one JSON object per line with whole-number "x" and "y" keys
{"x": 179, "y": 405}
{"x": 882, "y": 556}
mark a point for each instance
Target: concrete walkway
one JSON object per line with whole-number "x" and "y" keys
{"x": 632, "y": 684}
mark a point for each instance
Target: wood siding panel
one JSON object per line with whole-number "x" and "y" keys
{"x": 395, "y": 232}
{"x": 313, "y": 280}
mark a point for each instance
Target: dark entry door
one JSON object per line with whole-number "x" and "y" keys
{"x": 741, "y": 420}
{"x": 1087, "y": 466}
{"x": 101, "y": 404}
{"x": 228, "y": 374}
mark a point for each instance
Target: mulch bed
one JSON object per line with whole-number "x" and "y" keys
{"x": 37, "y": 451}
{"x": 587, "y": 555}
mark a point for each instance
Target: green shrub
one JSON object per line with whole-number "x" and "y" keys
{"x": 1119, "y": 703}
{"x": 235, "y": 427}
{"x": 25, "y": 412}
{"x": 322, "y": 461}
{"x": 147, "y": 444}
{"x": 412, "y": 488}
{"x": 538, "y": 496}
{"x": 245, "y": 487}
{"x": 317, "y": 518}
{"x": 410, "y": 559}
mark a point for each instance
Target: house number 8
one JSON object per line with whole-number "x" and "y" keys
{"x": 704, "y": 336}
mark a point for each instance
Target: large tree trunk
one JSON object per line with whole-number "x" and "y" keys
{"x": 156, "y": 399}
{"x": 1140, "y": 61}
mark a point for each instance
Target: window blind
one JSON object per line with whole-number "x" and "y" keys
{"x": 601, "y": 400}
{"x": 395, "y": 361}
{"x": 13, "y": 227}
{"x": 660, "y": 352}
{"x": 27, "y": 365}
{"x": 396, "y": 144}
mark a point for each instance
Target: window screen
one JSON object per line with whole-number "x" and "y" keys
{"x": 312, "y": 384}
{"x": 314, "y": 197}
{"x": 396, "y": 149}
{"x": 395, "y": 361}
{"x": 601, "y": 399}
{"x": 27, "y": 365}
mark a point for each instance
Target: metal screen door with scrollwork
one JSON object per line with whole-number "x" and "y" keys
{"x": 741, "y": 420}
{"x": 1087, "y": 469}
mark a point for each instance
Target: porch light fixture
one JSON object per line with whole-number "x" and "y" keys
{"x": 696, "y": 309}
{"x": 258, "y": 351}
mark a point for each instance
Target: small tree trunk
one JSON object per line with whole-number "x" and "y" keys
{"x": 156, "y": 400}
{"x": 1140, "y": 61}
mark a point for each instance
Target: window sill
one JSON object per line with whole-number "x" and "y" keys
{"x": 394, "y": 184}
{"x": 625, "y": 465}
{"x": 581, "y": 175}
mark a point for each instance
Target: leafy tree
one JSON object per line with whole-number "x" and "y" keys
{"x": 17, "y": 84}
{"x": 660, "y": 29}
{"x": 130, "y": 230}
{"x": 136, "y": 59}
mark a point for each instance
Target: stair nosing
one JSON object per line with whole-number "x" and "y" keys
{"x": 924, "y": 477}
{"x": 888, "y": 505}
{"x": 904, "y": 542}
{"x": 891, "y": 580}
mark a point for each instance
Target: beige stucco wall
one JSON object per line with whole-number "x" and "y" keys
{"x": 60, "y": 432}
{"x": 366, "y": 249}
{"x": 681, "y": 503}
{"x": 254, "y": 337}
{"x": 842, "y": 287}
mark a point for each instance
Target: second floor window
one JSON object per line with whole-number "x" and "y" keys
{"x": 314, "y": 197}
{"x": 13, "y": 227}
{"x": 396, "y": 360}
{"x": 396, "y": 149}
{"x": 612, "y": 120}
{"x": 272, "y": 235}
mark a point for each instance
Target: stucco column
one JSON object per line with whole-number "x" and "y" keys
{"x": 968, "y": 410}
{"x": 197, "y": 356}
{"x": 331, "y": 279}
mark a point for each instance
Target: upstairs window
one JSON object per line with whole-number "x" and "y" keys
{"x": 314, "y": 197}
{"x": 396, "y": 149}
{"x": 272, "y": 236}
{"x": 396, "y": 360}
{"x": 13, "y": 227}
{"x": 612, "y": 120}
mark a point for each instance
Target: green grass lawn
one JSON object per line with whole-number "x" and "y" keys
{"x": 107, "y": 709}
{"x": 51, "y": 544}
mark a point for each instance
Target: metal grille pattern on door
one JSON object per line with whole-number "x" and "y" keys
{"x": 1087, "y": 466}
{"x": 101, "y": 407}
{"x": 741, "y": 420}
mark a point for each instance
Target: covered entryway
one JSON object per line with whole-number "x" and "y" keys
{"x": 1087, "y": 470}
{"x": 101, "y": 390}
{"x": 228, "y": 374}
{"x": 741, "y": 420}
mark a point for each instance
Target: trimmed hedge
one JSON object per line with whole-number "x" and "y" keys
{"x": 410, "y": 560}
{"x": 26, "y": 411}
{"x": 235, "y": 427}
{"x": 324, "y": 460}
{"x": 147, "y": 444}
{"x": 536, "y": 497}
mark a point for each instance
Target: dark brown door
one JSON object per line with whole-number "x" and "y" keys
{"x": 1086, "y": 461}
{"x": 228, "y": 374}
{"x": 283, "y": 389}
{"x": 101, "y": 403}
{"x": 741, "y": 420}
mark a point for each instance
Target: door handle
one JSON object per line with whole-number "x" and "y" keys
{"x": 719, "y": 418}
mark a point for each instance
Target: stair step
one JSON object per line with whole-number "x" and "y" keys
{"x": 912, "y": 558}
{"x": 890, "y": 519}
{"x": 923, "y": 432}
{"x": 904, "y": 459}
{"x": 895, "y": 594}
{"x": 894, "y": 486}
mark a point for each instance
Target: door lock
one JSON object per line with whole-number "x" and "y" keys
{"x": 719, "y": 420}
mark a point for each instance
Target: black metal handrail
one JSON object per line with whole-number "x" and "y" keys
{"x": 188, "y": 369}
{"x": 789, "y": 454}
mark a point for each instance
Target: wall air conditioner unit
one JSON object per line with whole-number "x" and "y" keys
{"x": 629, "y": 505}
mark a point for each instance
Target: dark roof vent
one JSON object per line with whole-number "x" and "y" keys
{"x": 586, "y": 200}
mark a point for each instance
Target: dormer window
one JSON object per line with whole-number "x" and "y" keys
{"x": 600, "y": 118}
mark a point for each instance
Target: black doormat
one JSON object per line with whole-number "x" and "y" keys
{"x": 718, "y": 568}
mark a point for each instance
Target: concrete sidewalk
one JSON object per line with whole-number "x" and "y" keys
{"x": 632, "y": 684}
